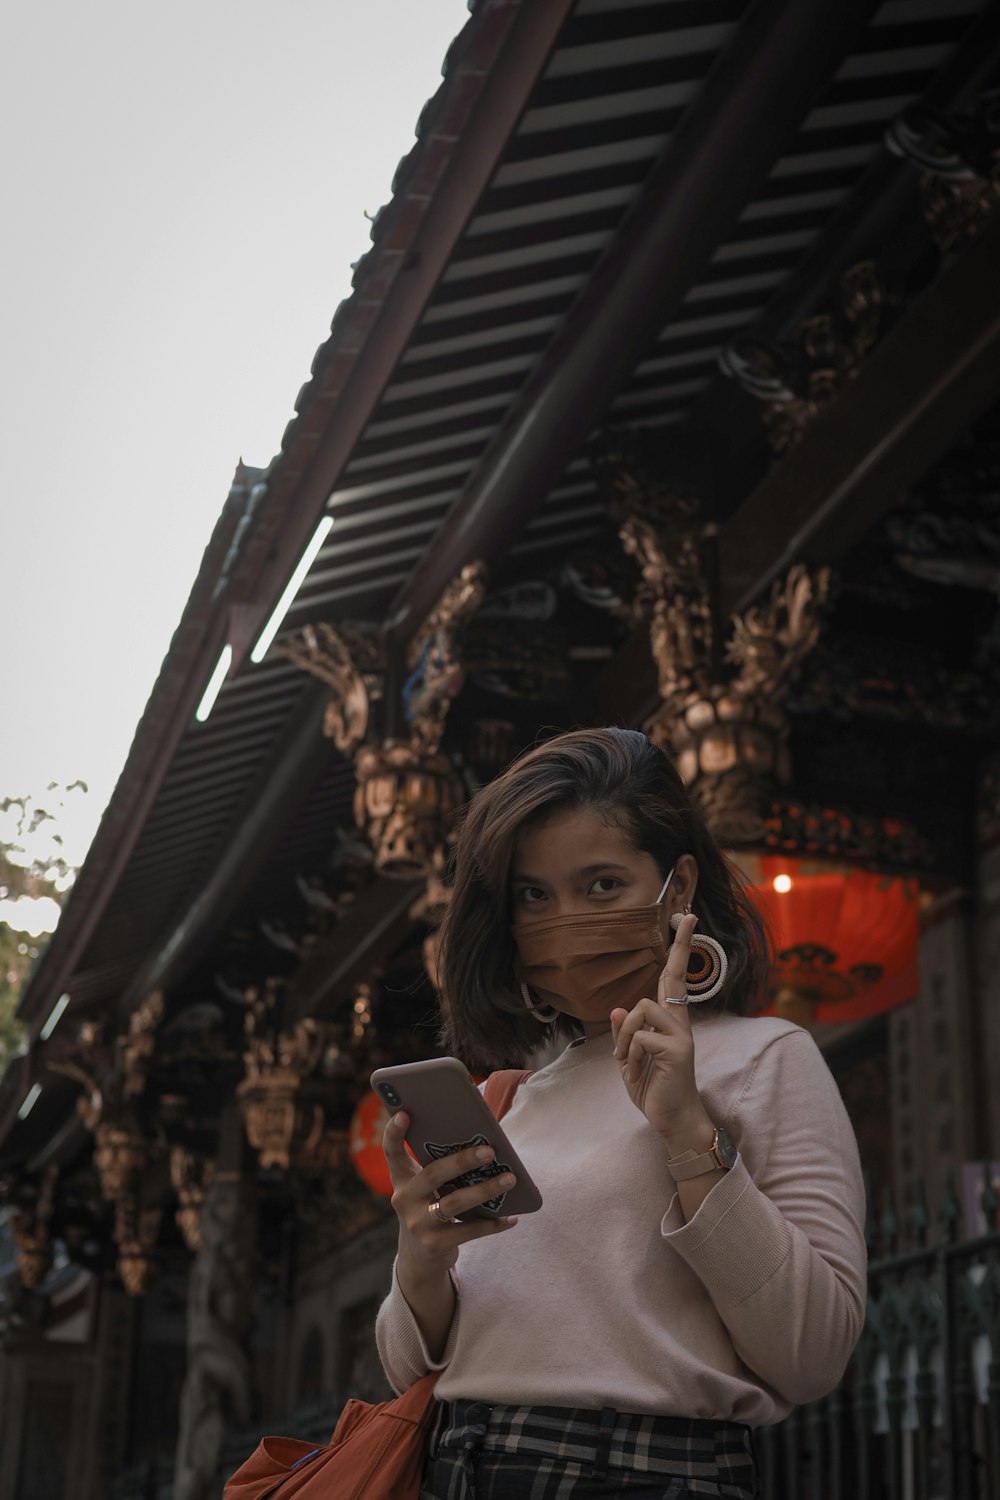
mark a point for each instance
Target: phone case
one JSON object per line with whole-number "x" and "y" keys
{"x": 447, "y": 1113}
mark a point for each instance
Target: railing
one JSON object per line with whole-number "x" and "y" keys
{"x": 917, "y": 1416}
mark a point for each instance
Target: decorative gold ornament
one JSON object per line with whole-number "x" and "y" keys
{"x": 437, "y": 674}
{"x": 406, "y": 801}
{"x": 90, "y": 1103}
{"x": 138, "y": 1046}
{"x": 112, "y": 1080}
{"x": 795, "y": 379}
{"x": 362, "y": 1008}
{"x": 120, "y": 1156}
{"x": 32, "y": 1239}
{"x": 350, "y": 660}
{"x": 956, "y": 211}
{"x": 958, "y": 155}
{"x": 270, "y": 1114}
{"x": 771, "y": 640}
{"x": 284, "y": 1120}
{"x": 191, "y": 1175}
{"x": 431, "y": 907}
{"x": 723, "y": 721}
{"x": 136, "y": 1232}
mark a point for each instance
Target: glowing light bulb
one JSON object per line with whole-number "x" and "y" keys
{"x": 782, "y": 884}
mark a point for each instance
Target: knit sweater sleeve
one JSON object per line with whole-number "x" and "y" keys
{"x": 778, "y": 1243}
{"x": 401, "y": 1346}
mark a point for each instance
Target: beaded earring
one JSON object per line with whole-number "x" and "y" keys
{"x": 708, "y": 964}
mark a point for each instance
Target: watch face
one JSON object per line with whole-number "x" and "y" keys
{"x": 726, "y": 1147}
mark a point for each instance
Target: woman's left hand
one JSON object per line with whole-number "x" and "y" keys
{"x": 655, "y": 1046}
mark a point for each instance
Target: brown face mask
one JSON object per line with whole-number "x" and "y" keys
{"x": 588, "y": 963}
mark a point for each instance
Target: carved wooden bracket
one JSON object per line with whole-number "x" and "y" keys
{"x": 430, "y": 907}
{"x": 281, "y": 1106}
{"x": 406, "y": 801}
{"x": 191, "y": 1174}
{"x": 434, "y": 658}
{"x": 136, "y": 1232}
{"x": 137, "y": 1048}
{"x": 120, "y": 1156}
{"x": 793, "y": 380}
{"x": 958, "y": 155}
{"x": 721, "y": 710}
{"x": 32, "y": 1238}
{"x": 114, "y": 1080}
{"x": 407, "y": 788}
{"x": 350, "y": 659}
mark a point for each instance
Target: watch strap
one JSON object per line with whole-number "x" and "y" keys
{"x": 697, "y": 1163}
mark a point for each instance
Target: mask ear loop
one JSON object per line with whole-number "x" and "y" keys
{"x": 663, "y": 999}
{"x": 543, "y": 1014}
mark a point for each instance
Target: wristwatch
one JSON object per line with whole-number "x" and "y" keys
{"x": 721, "y": 1154}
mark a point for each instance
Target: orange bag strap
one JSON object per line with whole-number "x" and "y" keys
{"x": 500, "y": 1088}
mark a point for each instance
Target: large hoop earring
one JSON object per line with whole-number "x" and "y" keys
{"x": 709, "y": 964}
{"x": 543, "y": 1014}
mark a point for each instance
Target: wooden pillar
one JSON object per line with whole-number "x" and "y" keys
{"x": 218, "y": 1387}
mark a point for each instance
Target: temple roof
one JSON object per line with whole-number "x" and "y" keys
{"x": 604, "y": 199}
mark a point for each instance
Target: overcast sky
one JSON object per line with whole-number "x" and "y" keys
{"x": 184, "y": 190}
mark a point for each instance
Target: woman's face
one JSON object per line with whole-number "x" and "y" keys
{"x": 577, "y": 862}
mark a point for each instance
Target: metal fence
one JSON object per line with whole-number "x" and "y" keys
{"x": 917, "y": 1416}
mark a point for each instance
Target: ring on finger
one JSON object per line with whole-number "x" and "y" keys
{"x": 437, "y": 1213}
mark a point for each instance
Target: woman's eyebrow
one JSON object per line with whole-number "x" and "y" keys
{"x": 605, "y": 864}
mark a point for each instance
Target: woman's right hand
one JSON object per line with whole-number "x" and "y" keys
{"x": 428, "y": 1246}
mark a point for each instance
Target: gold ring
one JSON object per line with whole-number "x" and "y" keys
{"x": 436, "y": 1212}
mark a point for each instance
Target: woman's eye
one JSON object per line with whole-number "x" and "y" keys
{"x": 528, "y": 894}
{"x": 605, "y": 883}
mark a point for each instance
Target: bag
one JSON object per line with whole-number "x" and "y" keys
{"x": 377, "y": 1452}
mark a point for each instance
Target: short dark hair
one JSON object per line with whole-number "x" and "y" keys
{"x": 623, "y": 776}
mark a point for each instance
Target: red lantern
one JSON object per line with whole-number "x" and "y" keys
{"x": 844, "y": 943}
{"x": 367, "y": 1124}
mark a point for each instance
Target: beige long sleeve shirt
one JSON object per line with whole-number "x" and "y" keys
{"x": 606, "y": 1297}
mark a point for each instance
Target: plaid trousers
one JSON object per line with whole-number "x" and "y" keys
{"x": 482, "y": 1452}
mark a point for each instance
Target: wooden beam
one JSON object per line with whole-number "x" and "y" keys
{"x": 754, "y": 97}
{"x": 934, "y": 374}
{"x": 722, "y": 439}
{"x": 375, "y": 926}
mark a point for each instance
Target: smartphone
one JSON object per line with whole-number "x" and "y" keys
{"x": 448, "y": 1113}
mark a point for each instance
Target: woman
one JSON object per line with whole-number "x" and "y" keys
{"x": 698, "y": 1265}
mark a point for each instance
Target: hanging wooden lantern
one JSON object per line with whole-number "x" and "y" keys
{"x": 367, "y": 1124}
{"x": 844, "y": 942}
